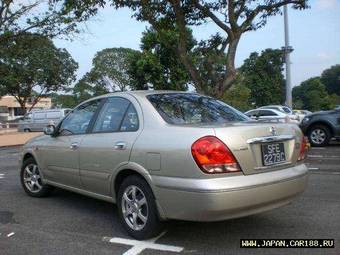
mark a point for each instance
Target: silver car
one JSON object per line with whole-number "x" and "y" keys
{"x": 162, "y": 155}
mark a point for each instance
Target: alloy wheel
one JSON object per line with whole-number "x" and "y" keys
{"x": 134, "y": 208}
{"x": 32, "y": 178}
{"x": 318, "y": 136}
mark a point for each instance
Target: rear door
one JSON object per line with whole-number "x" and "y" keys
{"x": 109, "y": 143}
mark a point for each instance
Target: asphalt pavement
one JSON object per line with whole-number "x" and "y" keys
{"x": 68, "y": 223}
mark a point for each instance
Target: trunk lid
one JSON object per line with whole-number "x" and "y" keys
{"x": 245, "y": 140}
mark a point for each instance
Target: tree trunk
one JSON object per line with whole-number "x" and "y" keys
{"x": 230, "y": 76}
{"x": 22, "y": 102}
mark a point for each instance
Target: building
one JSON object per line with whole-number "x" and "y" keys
{"x": 10, "y": 108}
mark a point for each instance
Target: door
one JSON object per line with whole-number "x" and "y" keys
{"x": 109, "y": 144}
{"x": 61, "y": 155}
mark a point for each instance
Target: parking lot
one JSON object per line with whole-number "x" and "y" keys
{"x": 68, "y": 223}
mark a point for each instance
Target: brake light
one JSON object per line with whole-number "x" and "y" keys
{"x": 303, "y": 148}
{"x": 213, "y": 156}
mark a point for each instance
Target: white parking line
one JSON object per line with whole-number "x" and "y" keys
{"x": 315, "y": 156}
{"x": 10, "y": 234}
{"x": 313, "y": 168}
{"x": 1, "y": 176}
{"x": 139, "y": 246}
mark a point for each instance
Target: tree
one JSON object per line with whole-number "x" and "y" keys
{"x": 262, "y": 74}
{"x": 62, "y": 100}
{"x": 312, "y": 95}
{"x": 30, "y": 62}
{"x": 238, "y": 96}
{"x": 51, "y": 18}
{"x": 331, "y": 79}
{"x": 157, "y": 66}
{"x": 111, "y": 67}
{"x": 233, "y": 18}
{"x": 89, "y": 86}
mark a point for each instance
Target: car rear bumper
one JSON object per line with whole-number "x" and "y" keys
{"x": 228, "y": 197}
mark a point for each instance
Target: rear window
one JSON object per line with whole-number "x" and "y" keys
{"x": 180, "y": 108}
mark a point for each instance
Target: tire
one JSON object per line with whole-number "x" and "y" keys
{"x": 151, "y": 226}
{"x": 319, "y": 135}
{"x": 27, "y": 130}
{"x": 34, "y": 187}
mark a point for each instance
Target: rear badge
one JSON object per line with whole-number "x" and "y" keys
{"x": 243, "y": 148}
{"x": 272, "y": 130}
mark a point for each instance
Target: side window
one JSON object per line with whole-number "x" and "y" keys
{"x": 111, "y": 115}
{"x": 79, "y": 119}
{"x": 252, "y": 114}
{"x": 130, "y": 121}
{"x": 267, "y": 113}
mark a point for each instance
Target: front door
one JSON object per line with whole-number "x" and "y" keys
{"x": 61, "y": 153}
{"x": 109, "y": 144}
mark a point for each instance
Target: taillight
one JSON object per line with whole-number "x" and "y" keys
{"x": 303, "y": 148}
{"x": 213, "y": 156}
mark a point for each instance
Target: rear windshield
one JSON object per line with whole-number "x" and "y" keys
{"x": 180, "y": 108}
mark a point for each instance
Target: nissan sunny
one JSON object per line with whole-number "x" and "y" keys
{"x": 162, "y": 155}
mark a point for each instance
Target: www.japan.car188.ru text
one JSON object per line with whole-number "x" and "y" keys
{"x": 287, "y": 243}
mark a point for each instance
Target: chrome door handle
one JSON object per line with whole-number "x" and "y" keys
{"x": 120, "y": 146}
{"x": 74, "y": 146}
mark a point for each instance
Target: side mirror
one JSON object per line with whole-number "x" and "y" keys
{"x": 49, "y": 130}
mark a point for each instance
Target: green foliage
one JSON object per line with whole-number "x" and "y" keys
{"x": 89, "y": 86}
{"x": 238, "y": 96}
{"x": 212, "y": 70}
{"x": 158, "y": 66}
{"x": 262, "y": 74}
{"x": 110, "y": 67}
{"x": 331, "y": 79}
{"x": 62, "y": 100}
{"x": 30, "y": 62}
{"x": 312, "y": 95}
{"x": 50, "y": 18}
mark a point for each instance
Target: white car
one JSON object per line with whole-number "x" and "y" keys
{"x": 283, "y": 109}
{"x": 301, "y": 113}
{"x": 271, "y": 115}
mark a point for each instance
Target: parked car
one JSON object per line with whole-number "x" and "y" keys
{"x": 280, "y": 108}
{"x": 270, "y": 115}
{"x": 321, "y": 127}
{"x": 301, "y": 113}
{"x": 162, "y": 155}
{"x": 39, "y": 119}
{"x": 284, "y": 109}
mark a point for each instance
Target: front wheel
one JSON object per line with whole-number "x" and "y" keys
{"x": 137, "y": 208}
{"x": 319, "y": 135}
{"x": 31, "y": 179}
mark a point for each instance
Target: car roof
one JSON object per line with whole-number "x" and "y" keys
{"x": 272, "y": 106}
{"x": 140, "y": 93}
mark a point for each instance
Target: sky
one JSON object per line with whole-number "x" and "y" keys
{"x": 314, "y": 34}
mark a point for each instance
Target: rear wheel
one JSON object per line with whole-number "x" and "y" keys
{"x": 137, "y": 208}
{"x": 26, "y": 130}
{"x": 31, "y": 179}
{"x": 319, "y": 135}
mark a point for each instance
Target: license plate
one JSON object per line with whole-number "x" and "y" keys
{"x": 273, "y": 153}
